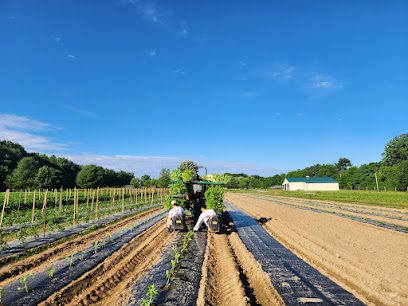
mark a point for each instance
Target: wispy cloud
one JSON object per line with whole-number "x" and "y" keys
{"x": 153, "y": 13}
{"x": 24, "y": 131}
{"x": 57, "y": 39}
{"x": 153, "y": 164}
{"x": 325, "y": 82}
{"x": 278, "y": 71}
{"x": 79, "y": 111}
{"x": 250, "y": 95}
{"x": 71, "y": 56}
{"x": 179, "y": 71}
{"x": 283, "y": 72}
{"x": 152, "y": 52}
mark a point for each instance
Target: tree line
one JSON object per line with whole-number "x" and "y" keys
{"x": 391, "y": 173}
{"x": 22, "y": 170}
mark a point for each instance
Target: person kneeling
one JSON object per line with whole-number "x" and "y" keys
{"x": 176, "y": 211}
{"x": 205, "y": 215}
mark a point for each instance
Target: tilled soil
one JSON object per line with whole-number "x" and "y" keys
{"x": 34, "y": 263}
{"x": 392, "y": 217}
{"x": 101, "y": 284}
{"x": 369, "y": 261}
{"x": 231, "y": 275}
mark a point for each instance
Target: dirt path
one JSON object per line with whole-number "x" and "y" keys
{"x": 34, "y": 263}
{"x": 370, "y": 262}
{"x": 232, "y": 276}
{"x": 391, "y": 217}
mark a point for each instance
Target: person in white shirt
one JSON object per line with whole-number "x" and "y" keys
{"x": 175, "y": 211}
{"x": 205, "y": 215}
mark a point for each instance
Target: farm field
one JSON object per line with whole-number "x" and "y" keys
{"x": 365, "y": 258}
{"x": 309, "y": 251}
{"x": 376, "y": 198}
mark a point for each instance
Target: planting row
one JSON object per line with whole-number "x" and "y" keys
{"x": 32, "y": 288}
{"x": 48, "y": 212}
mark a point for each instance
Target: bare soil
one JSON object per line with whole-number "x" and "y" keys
{"x": 390, "y": 215}
{"x": 108, "y": 279}
{"x": 232, "y": 276}
{"x": 369, "y": 261}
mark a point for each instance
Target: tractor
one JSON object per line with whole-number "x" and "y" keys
{"x": 193, "y": 200}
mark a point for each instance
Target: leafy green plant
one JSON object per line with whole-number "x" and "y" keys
{"x": 70, "y": 259}
{"x": 151, "y": 293}
{"x": 215, "y": 198}
{"x": 83, "y": 253}
{"x": 24, "y": 281}
{"x": 51, "y": 271}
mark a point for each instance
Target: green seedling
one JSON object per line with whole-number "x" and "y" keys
{"x": 24, "y": 281}
{"x": 151, "y": 293}
{"x": 1, "y": 293}
{"x": 70, "y": 259}
{"x": 83, "y": 253}
{"x": 51, "y": 271}
{"x": 96, "y": 247}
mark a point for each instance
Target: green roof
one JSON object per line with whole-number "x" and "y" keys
{"x": 311, "y": 180}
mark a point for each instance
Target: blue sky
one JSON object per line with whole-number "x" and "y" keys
{"x": 237, "y": 86}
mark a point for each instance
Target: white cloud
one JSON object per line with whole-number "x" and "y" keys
{"x": 153, "y": 164}
{"x": 155, "y": 14}
{"x": 179, "y": 71}
{"x": 71, "y": 56}
{"x": 57, "y": 39}
{"x": 283, "y": 71}
{"x": 325, "y": 82}
{"x": 152, "y": 53}
{"x": 24, "y": 130}
{"x": 80, "y": 111}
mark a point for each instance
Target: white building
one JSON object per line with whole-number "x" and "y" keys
{"x": 310, "y": 184}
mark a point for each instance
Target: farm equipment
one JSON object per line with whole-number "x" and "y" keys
{"x": 193, "y": 200}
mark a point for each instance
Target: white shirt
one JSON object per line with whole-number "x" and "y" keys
{"x": 204, "y": 217}
{"x": 175, "y": 211}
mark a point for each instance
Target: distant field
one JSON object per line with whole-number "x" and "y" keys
{"x": 377, "y": 198}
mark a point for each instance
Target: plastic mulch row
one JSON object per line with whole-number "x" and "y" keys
{"x": 296, "y": 281}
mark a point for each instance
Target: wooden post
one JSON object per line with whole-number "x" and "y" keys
{"x": 19, "y": 201}
{"x": 97, "y": 202}
{"x": 87, "y": 198}
{"x": 74, "y": 217}
{"x": 123, "y": 199}
{"x": 33, "y": 208}
{"x": 60, "y": 202}
{"x": 6, "y": 195}
{"x": 92, "y": 200}
{"x": 25, "y": 197}
{"x": 376, "y": 180}
{"x": 44, "y": 212}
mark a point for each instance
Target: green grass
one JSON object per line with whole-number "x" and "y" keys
{"x": 376, "y": 198}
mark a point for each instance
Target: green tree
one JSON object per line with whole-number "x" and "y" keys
{"x": 90, "y": 176}
{"x": 164, "y": 179}
{"x": 10, "y": 154}
{"x": 146, "y": 180}
{"x": 343, "y": 164}
{"x": 48, "y": 178}
{"x": 135, "y": 182}
{"x": 189, "y": 165}
{"x": 396, "y": 150}
{"x": 24, "y": 174}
